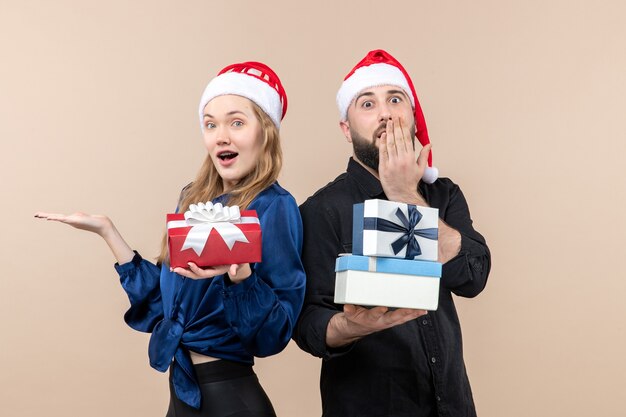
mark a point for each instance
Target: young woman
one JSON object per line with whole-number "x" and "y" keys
{"x": 207, "y": 324}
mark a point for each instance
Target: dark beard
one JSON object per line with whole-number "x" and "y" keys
{"x": 367, "y": 151}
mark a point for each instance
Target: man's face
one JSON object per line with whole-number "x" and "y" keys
{"x": 367, "y": 120}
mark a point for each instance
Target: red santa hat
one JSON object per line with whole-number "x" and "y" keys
{"x": 252, "y": 80}
{"x": 380, "y": 68}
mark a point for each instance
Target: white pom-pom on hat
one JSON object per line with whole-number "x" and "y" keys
{"x": 430, "y": 175}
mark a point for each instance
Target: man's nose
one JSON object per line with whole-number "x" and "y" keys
{"x": 384, "y": 112}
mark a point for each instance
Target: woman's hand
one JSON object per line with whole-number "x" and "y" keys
{"x": 91, "y": 222}
{"x": 98, "y": 224}
{"x": 236, "y": 272}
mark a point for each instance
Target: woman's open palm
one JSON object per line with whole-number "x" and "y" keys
{"x": 91, "y": 222}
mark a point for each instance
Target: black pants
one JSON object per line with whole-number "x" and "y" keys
{"x": 228, "y": 389}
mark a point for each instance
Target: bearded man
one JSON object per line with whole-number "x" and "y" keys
{"x": 379, "y": 361}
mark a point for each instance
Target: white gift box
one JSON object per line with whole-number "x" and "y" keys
{"x": 395, "y": 230}
{"x": 370, "y": 281}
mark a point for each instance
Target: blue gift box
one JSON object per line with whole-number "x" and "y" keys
{"x": 396, "y": 230}
{"x": 389, "y": 282}
{"x": 390, "y": 265}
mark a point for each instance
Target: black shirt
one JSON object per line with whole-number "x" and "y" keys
{"x": 415, "y": 369}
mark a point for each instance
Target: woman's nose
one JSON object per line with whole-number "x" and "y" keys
{"x": 223, "y": 138}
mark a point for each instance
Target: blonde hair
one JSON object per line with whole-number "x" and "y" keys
{"x": 208, "y": 184}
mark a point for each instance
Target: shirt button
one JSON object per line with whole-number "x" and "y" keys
{"x": 438, "y": 398}
{"x": 433, "y": 359}
{"x": 424, "y": 322}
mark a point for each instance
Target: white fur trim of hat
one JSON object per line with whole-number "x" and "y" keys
{"x": 241, "y": 84}
{"x": 367, "y": 77}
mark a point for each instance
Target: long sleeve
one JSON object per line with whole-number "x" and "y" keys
{"x": 262, "y": 310}
{"x": 140, "y": 279}
{"x": 418, "y": 366}
{"x": 321, "y": 247}
{"x": 466, "y": 274}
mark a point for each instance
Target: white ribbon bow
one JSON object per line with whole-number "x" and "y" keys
{"x": 205, "y": 217}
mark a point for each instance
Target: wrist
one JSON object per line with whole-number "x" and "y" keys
{"x": 341, "y": 331}
{"x": 408, "y": 198}
{"x": 107, "y": 229}
{"x": 233, "y": 280}
{"x": 450, "y": 241}
{"x": 243, "y": 272}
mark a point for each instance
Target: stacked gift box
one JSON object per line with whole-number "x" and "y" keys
{"x": 394, "y": 257}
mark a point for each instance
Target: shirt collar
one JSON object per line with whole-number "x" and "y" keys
{"x": 368, "y": 182}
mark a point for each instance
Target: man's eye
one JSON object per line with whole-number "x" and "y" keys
{"x": 367, "y": 104}
{"x": 395, "y": 100}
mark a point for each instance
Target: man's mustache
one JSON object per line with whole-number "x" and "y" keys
{"x": 380, "y": 130}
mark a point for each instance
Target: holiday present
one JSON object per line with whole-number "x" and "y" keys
{"x": 210, "y": 235}
{"x": 389, "y": 282}
{"x": 395, "y": 230}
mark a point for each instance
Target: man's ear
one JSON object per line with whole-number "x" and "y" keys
{"x": 345, "y": 128}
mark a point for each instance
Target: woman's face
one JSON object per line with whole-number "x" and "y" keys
{"x": 233, "y": 136}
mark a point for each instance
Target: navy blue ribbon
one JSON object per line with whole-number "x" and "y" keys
{"x": 407, "y": 228}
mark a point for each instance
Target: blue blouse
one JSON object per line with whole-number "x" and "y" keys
{"x": 214, "y": 317}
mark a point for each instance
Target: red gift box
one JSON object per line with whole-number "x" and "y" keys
{"x": 214, "y": 243}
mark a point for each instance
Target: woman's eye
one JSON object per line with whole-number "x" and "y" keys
{"x": 210, "y": 125}
{"x": 237, "y": 123}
